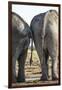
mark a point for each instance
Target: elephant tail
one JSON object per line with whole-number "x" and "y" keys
{"x": 31, "y": 45}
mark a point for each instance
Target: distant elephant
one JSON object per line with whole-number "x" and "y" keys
{"x": 44, "y": 28}
{"x": 20, "y": 42}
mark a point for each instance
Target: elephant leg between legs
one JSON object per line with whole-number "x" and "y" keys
{"x": 21, "y": 73}
{"x": 45, "y": 66}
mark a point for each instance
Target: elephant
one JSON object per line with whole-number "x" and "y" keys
{"x": 44, "y": 27}
{"x": 21, "y": 34}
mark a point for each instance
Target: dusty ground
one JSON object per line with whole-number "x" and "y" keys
{"x": 33, "y": 72}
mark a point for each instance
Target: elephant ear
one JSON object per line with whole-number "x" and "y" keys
{"x": 31, "y": 51}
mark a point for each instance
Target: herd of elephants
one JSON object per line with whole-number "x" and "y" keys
{"x": 43, "y": 31}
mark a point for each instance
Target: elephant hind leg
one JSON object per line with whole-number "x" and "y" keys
{"x": 21, "y": 62}
{"x": 54, "y": 68}
{"x": 53, "y": 55}
{"x": 45, "y": 66}
{"x": 14, "y": 70}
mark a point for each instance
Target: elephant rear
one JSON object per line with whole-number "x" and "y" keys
{"x": 45, "y": 31}
{"x": 20, "y": 42}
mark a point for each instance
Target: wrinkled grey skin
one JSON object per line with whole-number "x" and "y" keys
{"x": 20, "y": 43}
{"x": 45, "y": 35}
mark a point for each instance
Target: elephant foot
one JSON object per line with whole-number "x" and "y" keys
{"x": 14, "y": 80}
{"x": 20, "y": 80}
{"x": 43, "y": 78}
{"x": 54, "y": 78}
